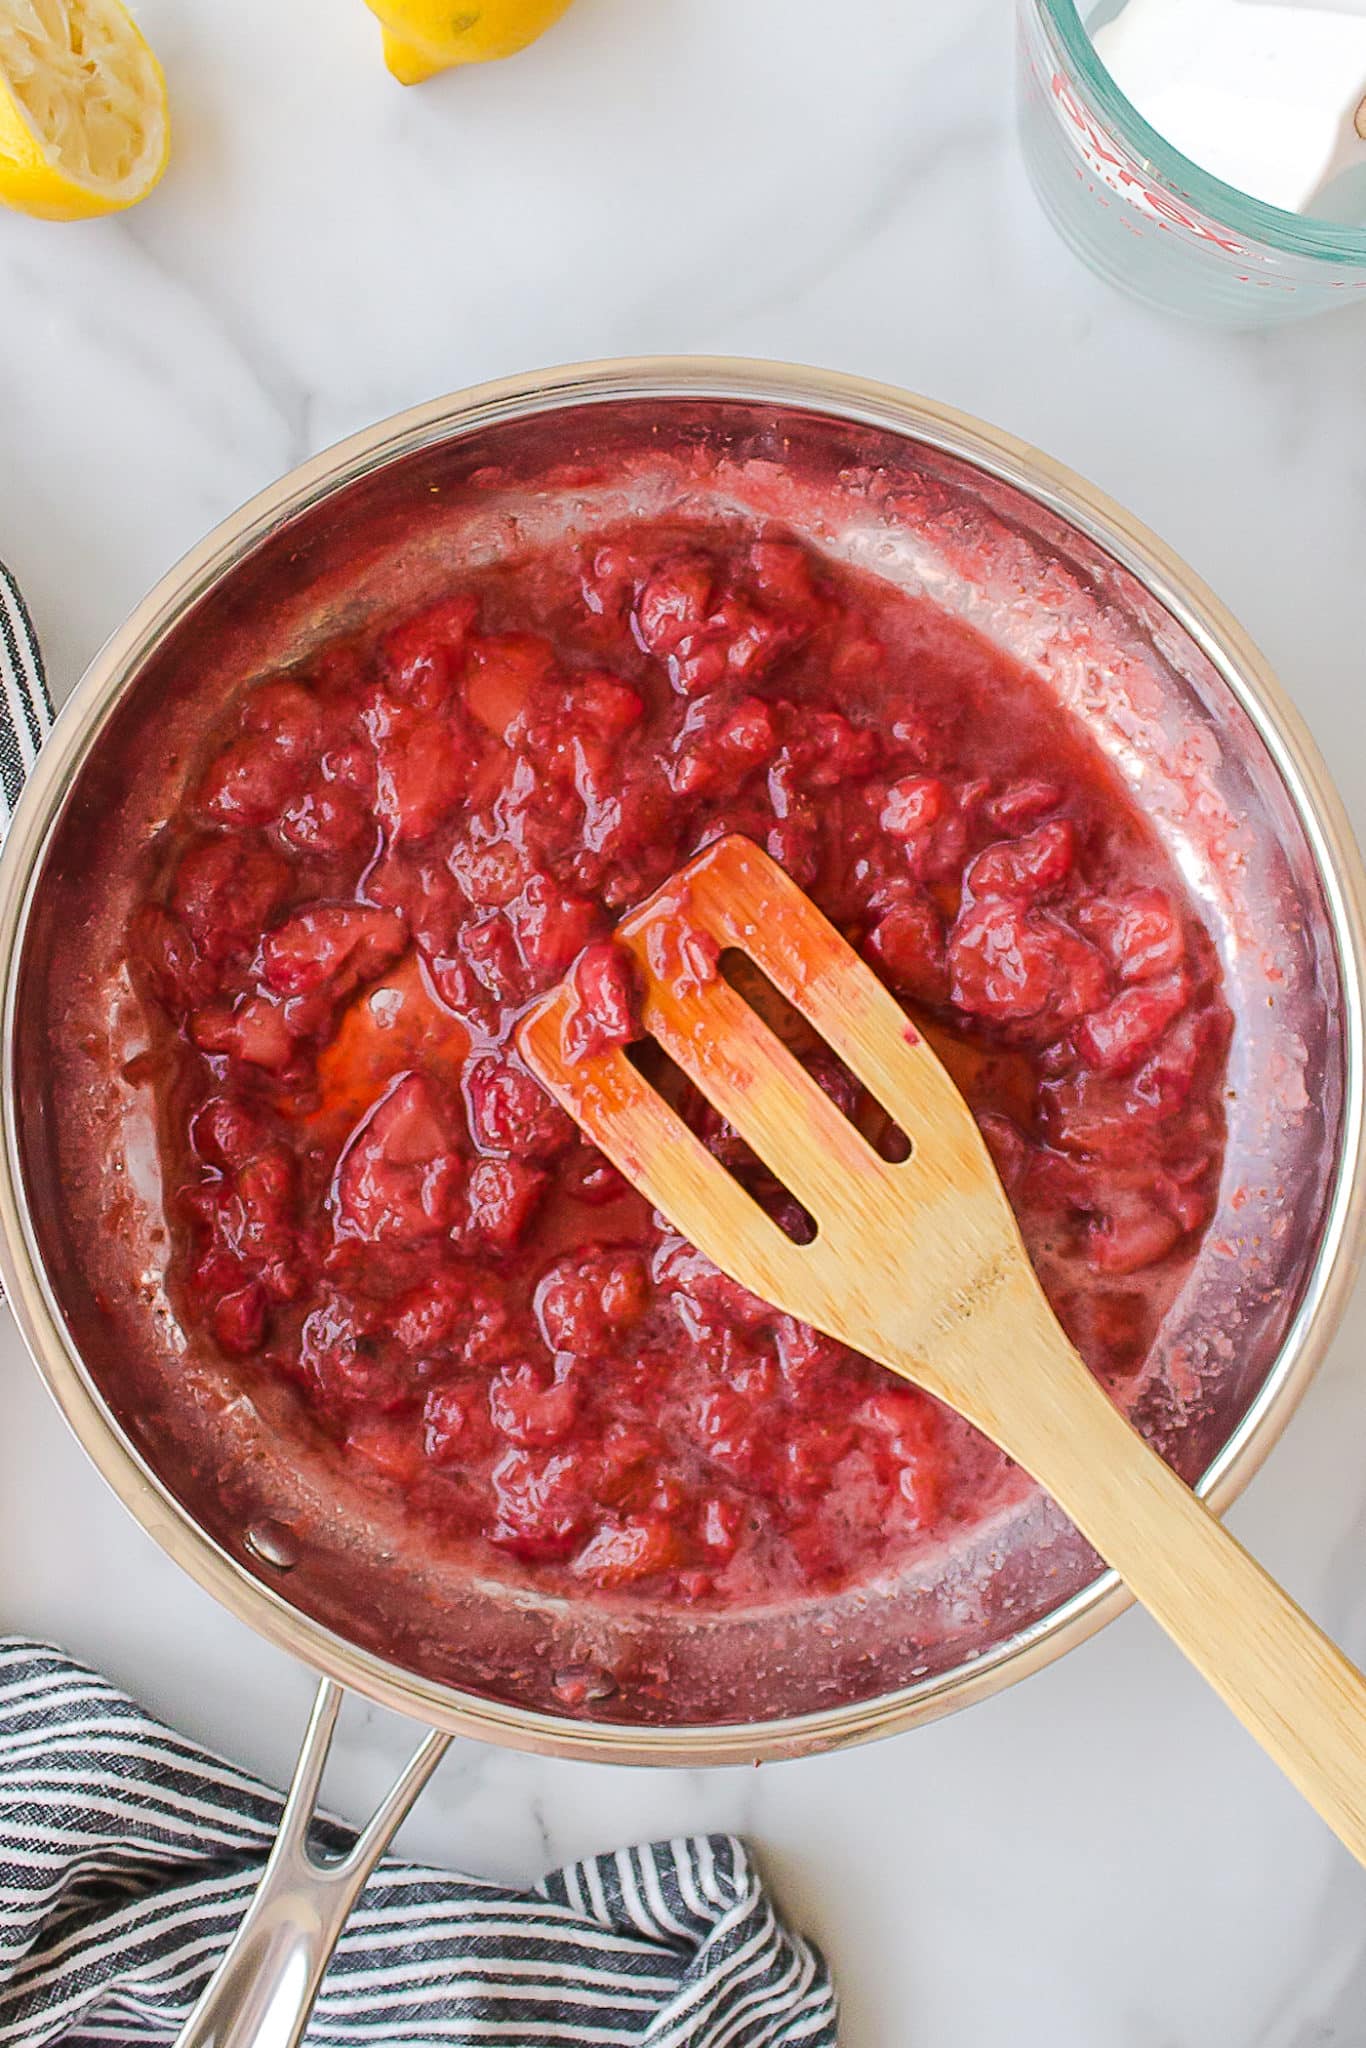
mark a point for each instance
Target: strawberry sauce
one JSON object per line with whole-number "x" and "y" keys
{"x": 384, "y": 856}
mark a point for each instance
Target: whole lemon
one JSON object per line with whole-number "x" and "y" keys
{"x": 422, "y": 37}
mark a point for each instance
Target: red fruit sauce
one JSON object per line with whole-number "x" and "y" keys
{"x": 383, "y": 857}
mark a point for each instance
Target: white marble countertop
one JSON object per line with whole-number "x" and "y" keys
{"x": 1100, "y": 1858}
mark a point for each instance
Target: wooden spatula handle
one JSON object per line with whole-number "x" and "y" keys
{"x": 1288, "y": 1684}
{"x": 920, "y": 1263}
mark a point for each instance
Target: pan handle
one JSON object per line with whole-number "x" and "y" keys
{"x": 262, "y": 1993}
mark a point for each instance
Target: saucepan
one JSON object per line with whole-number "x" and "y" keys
{"x": 1030, "y": 556}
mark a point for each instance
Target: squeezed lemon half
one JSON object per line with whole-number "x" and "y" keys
{"x": 84, "y": 127}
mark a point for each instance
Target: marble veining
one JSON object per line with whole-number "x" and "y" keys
{"x": 1099, "y": 1859}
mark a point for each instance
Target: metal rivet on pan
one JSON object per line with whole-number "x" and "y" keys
{"x": 274, "y": 1543}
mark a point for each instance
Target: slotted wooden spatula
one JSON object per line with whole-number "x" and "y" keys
{"x": 920, "y": 1264}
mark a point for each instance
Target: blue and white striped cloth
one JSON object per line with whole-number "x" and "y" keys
{"x": 128, "y": 1854}
{"x": 25, "y": 707}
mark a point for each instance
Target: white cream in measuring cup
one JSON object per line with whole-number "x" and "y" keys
{"x": 1268, "y": 95}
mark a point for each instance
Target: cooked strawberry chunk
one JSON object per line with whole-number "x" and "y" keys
{"x": 811, "y": 1453}
{"x": 228, "y": 1132}
{"x": 249, "y": 1250}
{"x": 255, "y": 1031}
{"x": 1166, "y": 1080}
{"x": 287, "y": 715}
{"x": 507, "y": 674}
{"x": 400, "y": 1176}
{"x": 502, "y": 1198}
{"x": 238, "y": 1319}
{"x": 604, "y": 704}
{"x": 490, "y": 950}
{"x": 675, "y": 603}
{"x": 913, "y": 805}
{"x": 830, "y": 751}
{"x": 931, "y": 820}
{"x": 699, "y": 1284}
{"x": 550, "y": 926}
{"x": 1023, "y": 869}
{"x": 587, "y": 1299}
{"x": 606, "y": 1002}
{"x": 905, "y": 1427}
{"x": 727, "y": 1430}
{"x": 531, "y": 1407}
{"x": 249, "y": 782}
{"x": 640, "y": 1547}
{"x": 456, "y": 1426}
{"x": 782, "y": 572}
{"x": 1141, "y": 932}
{"x": 1118, "y": 1038}
{"x": 336, "y": 946}
{"x": 266, "y": 1190}
{"x": 907, "y": 946}
{"x": 747, "y": 732}
{"x": 1086, "y": 1111}
{"x": 510, "y": 1112}
{"x": 749, "y": 640}
{"x": 423, "y": 773}
{"x": 421, "y": 659}
{"x": 541, "y": 1502}
{"x": 631, "y": 1457}
{"x": 719, "y": 746}
{"x": 225, "y": 890}
{"x": 332, "y": 1355}
{"x": 434, "y": 1314}
{"x": 1012, "y": 965}
{"x": 1021, "y": 804}
{"x": 327, "y": 818}
{"x": 703, "y": 632}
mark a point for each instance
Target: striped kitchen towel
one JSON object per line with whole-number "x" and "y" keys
{"x": 25, "y": 707}
{"x": 128, "y": 1854}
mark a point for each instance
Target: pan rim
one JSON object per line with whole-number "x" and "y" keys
{"x": 1241, "y": 668}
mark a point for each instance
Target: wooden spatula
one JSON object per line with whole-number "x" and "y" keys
{"x": 920, "y": 1264}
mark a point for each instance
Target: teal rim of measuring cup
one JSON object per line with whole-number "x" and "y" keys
{"x": 1293, "y": 233}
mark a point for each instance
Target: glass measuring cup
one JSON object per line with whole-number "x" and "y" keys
{"x": 1147, "y": 218}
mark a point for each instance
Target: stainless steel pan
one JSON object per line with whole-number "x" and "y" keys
{"x": 1037, "y": 561}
